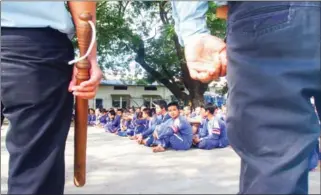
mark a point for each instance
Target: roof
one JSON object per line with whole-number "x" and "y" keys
{"x": 124, "y": 83}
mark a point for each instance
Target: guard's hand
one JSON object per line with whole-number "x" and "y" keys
{"x": 206, "y": 58}
{"x": 87, "y": 89}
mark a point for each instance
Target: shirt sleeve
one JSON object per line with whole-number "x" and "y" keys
{"x": 190, "y": 19}
{"x": 220, "y": 3}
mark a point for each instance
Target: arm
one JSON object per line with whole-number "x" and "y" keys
{"x": 140, "y": 122}
{"x": 203, "y": 131}
{"x": 165, "y": 131}
{"x": 149, "y": 131}
{"x": 190, "y": 19}
{"x": 77, "y": 8}
{"x": 195, "y": 120}
{"x": 215, "y": 130}
{"x": 116, "y": 122}
{"x": 170, "y": 127}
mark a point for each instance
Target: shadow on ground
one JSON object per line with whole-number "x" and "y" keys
{"x": 117, "y": 165}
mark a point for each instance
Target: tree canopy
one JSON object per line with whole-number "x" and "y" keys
{"x": 143, "y": 32}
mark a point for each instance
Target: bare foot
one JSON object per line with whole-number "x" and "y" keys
{"x": 143, "y": 142}
{"x": 158, "y": 149}
{"x": 132, "y": 138}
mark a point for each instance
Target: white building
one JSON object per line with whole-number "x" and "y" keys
{"x": 116, "y": 93}
{"x": 121, "y": 94}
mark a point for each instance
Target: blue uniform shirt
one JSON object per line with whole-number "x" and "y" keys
{"x": 37, "y": 14}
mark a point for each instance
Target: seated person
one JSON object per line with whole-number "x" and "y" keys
{"x": 91, "y": 117}
{"x": 103, "y": 118}
{"x": 187, "y": 112}
{"x": 195, "y": 128}
{"x": 197, "y": 118}
{"x": 147, "y": 116}
{"x": 161, "y": 117}
{"x": 139, "y": 126}
{"x": 213, "y": 131}
{"x": 118, "y": 117}
{"x": 148, "y": 132}
{"x": 197, "y": 111}
{"x": 137, "y": 110}
{"x": 197, "y": 122}
{"x": 175, "y": 133}
{"x": 113, "y": 124}
{"x": 124, "y": 123}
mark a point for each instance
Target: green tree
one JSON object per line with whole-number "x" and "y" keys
{"x": 144, "y": 31}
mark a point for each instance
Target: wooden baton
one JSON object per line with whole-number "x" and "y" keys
{"x": 84, "y": 35}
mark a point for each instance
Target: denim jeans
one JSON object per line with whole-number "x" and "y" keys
{"x": 273, "y": 51}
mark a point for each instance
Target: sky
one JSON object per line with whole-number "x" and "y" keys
{"x": 154, "y": 32}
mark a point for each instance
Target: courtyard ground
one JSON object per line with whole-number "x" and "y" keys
{"x": 117, "y": 165}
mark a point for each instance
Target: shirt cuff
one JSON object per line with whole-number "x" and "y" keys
{"x": 220, "y": 3}
{"x": 192, "y": 38}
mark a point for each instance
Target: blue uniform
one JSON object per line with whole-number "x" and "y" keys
{"x": 156, "y": 120}
{"x": 314, "y": 157}
{"x": 113, "y": 125}
{"x": 176, "y": 134}
{"x": 103, "y": 119}
{"x": 124, "y": 123}
{"x": 139, "y": 126}
{"x": 149, "y": 133}
{"x": 212, "y": 134}
{"x": 91, "y": 119}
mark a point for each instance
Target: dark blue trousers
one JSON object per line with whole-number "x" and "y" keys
{"x": 273, "y": 53}
{"x": 2, "y": 116}
{"x": 34, "y": 90}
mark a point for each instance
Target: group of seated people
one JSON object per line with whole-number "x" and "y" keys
{"x": 166, "y": 126}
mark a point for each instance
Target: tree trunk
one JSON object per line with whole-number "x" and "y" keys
{"x": 173, "y": 87}
{"x": 196, "y": 88}
{"x": 197, "y": 95}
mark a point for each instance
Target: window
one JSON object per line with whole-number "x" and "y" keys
{"x": 120, "y": 87}
{"x": 149, "y": 100}
{"x": 120, "y": 101}
{"x": 116, "y": 103}
{"x": 150, "y": 88}
{"x": 147, "y": 103}
{"x": 99, "y": 103}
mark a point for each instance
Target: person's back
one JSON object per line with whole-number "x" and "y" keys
{"x": 38, "y": 14}
{"x": 272, "y": 51}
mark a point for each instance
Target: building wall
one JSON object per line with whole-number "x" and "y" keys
{"x": 107, "y": 94}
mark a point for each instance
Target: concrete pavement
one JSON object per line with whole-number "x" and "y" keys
{"x": 117, "y": 165}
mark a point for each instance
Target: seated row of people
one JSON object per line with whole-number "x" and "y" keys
{"x": 168, "y": 127}
{"x": 165, "y": 127}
